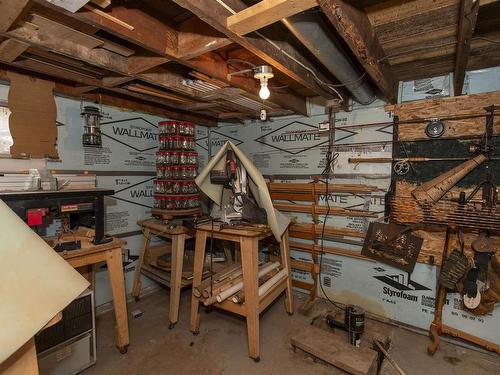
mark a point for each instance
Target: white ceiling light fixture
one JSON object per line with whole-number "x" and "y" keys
{"x": 263, "y": 73}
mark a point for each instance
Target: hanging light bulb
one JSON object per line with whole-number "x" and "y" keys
{"x": 263, "y": 73}
{"x": 264, "y": 92}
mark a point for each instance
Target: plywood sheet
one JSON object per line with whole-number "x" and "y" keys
{"x": 468, "y": 127}
{"x": 443, "y": 107}
{"x": 35, "y": 283}
{"x": 32, "y": 122}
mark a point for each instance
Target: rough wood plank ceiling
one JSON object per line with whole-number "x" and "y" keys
{"x": 174, "y": 57}
{"x": 420, "y": 38}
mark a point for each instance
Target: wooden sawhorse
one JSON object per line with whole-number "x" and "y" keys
{"x": 248, "y": 238}
{"x": 178, "y": 235}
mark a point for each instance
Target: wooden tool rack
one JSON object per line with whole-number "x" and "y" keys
{"x": 305, "y": 196}
{"x": 174, "y": 279}
{"x": 248, "y": 239}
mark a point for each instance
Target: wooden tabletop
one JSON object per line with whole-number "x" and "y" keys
{"x": 91, "y": 249}
{"x": 159, "y": 226}
{"x": 241, "y": 231}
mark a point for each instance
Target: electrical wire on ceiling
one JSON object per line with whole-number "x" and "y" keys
{"x": 315, "y": 76}
{"x": 241, "y": 61}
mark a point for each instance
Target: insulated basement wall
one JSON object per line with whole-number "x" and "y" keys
{"x": 293, "y": 150}
{"x": 125, "y": 163}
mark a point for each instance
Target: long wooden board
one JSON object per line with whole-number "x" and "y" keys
{"x": 336, "y": 351}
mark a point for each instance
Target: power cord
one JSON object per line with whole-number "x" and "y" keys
{"x": 330, "y": 159}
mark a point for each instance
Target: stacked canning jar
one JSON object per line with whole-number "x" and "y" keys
{"x": 176, "y": 167}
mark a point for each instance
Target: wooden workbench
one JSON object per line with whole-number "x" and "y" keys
{"x": 111, "y": 253}
{"x": 178, "y": 235}
{"x": 248, "y": 239}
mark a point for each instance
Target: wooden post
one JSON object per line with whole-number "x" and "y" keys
{"x": 176, "y": 276}
{"x": 250, "y": 263}
{"x": 199, "y": 260}
{"x": 136, "y": 290}
{"x": 116, "y": 278}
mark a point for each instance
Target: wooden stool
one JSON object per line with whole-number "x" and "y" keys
{"x": 248, "y": 239}
{"x": 178, "y": 235}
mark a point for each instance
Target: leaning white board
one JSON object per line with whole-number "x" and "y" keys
{"x": 35, "y": 283}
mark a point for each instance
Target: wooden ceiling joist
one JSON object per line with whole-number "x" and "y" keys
{"x": 266, "y": 12}
{"x": 167, "y": 79}
{"x": 284, "y": 58}
{"x": 196, "y": 38}
{"x": 11, "y": 49}
{"x": 115, "y": 81}
{"x": 182, "y": 47}
{"x": 97, "y": 57}
{"x": 139, "y": 64}
{"x": 354, "y": 27}
{"x": 11, "y": 12}
{"x": 213, "y": 66}
{"x": 136, "y": 87}
{"x": 149, "y": 32}
{"x": 101, "y": 3}
{"x": 468, "y": 16}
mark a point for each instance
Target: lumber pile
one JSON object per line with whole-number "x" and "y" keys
{"x": 227, "y": 284}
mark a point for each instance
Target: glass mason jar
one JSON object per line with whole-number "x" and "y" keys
{"x": 167, "y": 172}
{"x": 176, "y": 187}
{"x": 157, "y": 203}
{"x": 176, "y": 173}
{"x": 174, "y": 157}
{"x": 167, "y": 187}
{"x": 159, "y": 171}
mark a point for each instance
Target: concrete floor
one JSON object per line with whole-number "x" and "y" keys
{"x": 221, "y": 346}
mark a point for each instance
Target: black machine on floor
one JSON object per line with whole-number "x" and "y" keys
{"x": 75, "y": 207}
{"x": 353, "y": 324}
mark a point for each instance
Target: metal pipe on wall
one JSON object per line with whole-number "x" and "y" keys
{"x": 310, "y": 29}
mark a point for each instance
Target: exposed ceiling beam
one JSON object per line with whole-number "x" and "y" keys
{"x": 12, "y": 11}
{"x": 354, "y": 27}
{"x": 116, "y": 81}
{"x": 101, "y": 3}
{"x": 284, "y": 58}
{"x": 201, "y": 120}
{"x": 468, "y": 16}
{"x": 286, "y": 99}
{"x": 264, "y": 13}
{"x": 53, "y": 70}
{"x": 97, "y": 57}
{"x": 167, "y": 79}
{"x": 139, "y": 64}
{"x": 215, "y": 66}
{"x": 136, "y": 87}
{"x": 11, "y": 49}
{"x": 196, "y": 38}
{"x": 149, "y": 32}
